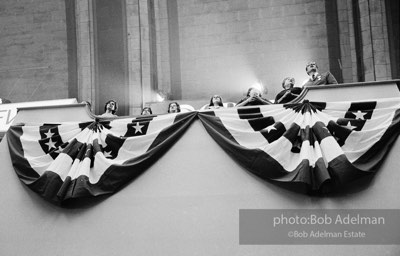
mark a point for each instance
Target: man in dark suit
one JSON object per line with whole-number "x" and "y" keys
{"x": 316, "y": 78}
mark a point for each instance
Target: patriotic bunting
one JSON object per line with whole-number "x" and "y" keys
{"x": 73, "y": 160}
{"x": 309, "y": 142}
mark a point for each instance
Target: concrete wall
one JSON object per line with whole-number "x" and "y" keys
{"x": 225, "y": 46}
{"x": 374, "y": 43}
{"x": 33, "y": 50}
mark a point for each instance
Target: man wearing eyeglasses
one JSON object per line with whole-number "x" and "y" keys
{"x": 315, "y": 78}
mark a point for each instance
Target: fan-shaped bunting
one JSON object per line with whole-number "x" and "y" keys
{"x": 309, "y": 142}
{"x": 73, "y": 160}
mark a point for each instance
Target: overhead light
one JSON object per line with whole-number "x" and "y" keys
{"x": 258, "y": 85}
{"x": 160, "y": 97}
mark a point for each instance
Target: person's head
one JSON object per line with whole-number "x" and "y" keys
{"x": 112, "y": 106}
{"x": 288, "y": 83}
{"x": 174, "y": 107}
{"x": 253, "y": 92}
{"x": 216, "y": 100}
{"x": 311, "y": 67}
{"x": 146, "y": 111}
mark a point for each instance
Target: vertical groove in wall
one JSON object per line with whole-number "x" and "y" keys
{"x": 110, "y": 54}
{"x": 174, "y": 49}
{"x": 153, "y": 46}
{"x": 98, "y": 107}
{"x": 92, "y": 48}
{"x": 358, "y": 41}
{"x": 372, "y": 41}
{"x": 140, "y": 56}
{"x": 71, "y": 49}
{"x": 392, "y": 12}
{"x": 125, "y": 64}
{"x": 332, "y": 26}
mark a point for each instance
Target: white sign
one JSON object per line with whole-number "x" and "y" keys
{"x": 9, "y": 111}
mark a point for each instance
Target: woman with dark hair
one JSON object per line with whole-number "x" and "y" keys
{"x": 146, "y": 111}
{"x": 252, "y": 98}
{"x": 174, "y": 107}
{"x": 215, "y": 102}
{"x": 289, "y": 93}
{"x": 110, "y": 108}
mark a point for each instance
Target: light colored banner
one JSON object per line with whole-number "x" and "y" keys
{"x": 9, "y": 111}
{"x": 319, "y": 226}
